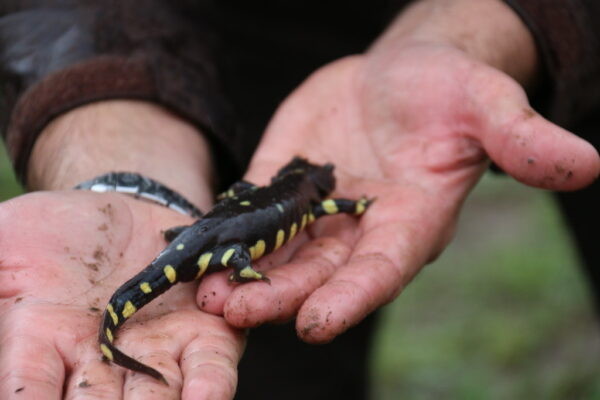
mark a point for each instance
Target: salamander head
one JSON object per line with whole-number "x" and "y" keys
{"x": 320, "y": 175}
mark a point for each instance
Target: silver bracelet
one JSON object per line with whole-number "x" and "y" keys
{"x": 139, "y": 186}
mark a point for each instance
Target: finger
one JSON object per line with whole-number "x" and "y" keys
{"x": 215, "y": 289}
{"x": 530, "y": 148}
{"x": 213, "y": 292}
{"x": 93, "y": 378}
{"x": 142, "y": 386}
{"x": 30, "y": 368}
{"x": 90, "y": 377}
{"x": 391, "y": 250}
{"x": 209, "y": 363}
{"x": 313, "y": 261}
{"x": 158, "y": 346}
{"x": 161, "y": 345}
{"x": 253, "y": 305}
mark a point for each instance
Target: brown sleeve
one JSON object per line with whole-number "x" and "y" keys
{"x": 58, "y": 54}
{"x": 567, "y": 33}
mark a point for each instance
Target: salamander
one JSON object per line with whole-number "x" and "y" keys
{"x": 246, "y": 223}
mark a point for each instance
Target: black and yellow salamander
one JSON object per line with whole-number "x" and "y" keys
{"x": 246, "y": 223}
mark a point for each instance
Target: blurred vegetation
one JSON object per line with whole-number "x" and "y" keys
{"x": 9, "y": 187}
{"x": 503, "y": 314}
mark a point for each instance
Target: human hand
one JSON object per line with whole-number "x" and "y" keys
{"x": 63, "y": 255}
{"x": 413, "y": 126}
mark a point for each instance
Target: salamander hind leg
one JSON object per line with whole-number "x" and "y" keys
{"x": 237, "y": 257}
{"x": 236, "y": 189}
{"x": 337, "y": 206}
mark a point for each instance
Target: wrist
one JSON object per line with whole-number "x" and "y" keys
{"x": 487, "y": 30}
{"x": 119, "y": 135}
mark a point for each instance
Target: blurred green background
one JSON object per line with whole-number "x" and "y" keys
{"x": 503, "y": 314}
{"x": 8, "y": 185}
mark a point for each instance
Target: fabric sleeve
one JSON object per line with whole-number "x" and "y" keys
{"x": 567, "y": 33}
{"x": 56, "y": 55}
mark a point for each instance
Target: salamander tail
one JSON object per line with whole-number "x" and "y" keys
{"x": 111, "y": 353}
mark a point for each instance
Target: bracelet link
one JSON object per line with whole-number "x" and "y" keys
{"x": 141, "y": 187}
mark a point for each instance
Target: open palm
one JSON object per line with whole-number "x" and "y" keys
{"x": 415, "y": 130}
{"x": 62, "y": 255}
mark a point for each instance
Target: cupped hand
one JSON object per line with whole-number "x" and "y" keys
{"x": 62, "y": 256}
{"x": 415, "y": 129}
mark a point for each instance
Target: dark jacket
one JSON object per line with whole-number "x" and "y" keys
{"x": 225, "y": 66}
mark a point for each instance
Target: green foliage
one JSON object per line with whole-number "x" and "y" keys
{"x": 9, "y": 187}
{"x": 503, "y": 314}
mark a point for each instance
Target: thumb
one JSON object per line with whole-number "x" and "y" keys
{"x": 533, "y": 150}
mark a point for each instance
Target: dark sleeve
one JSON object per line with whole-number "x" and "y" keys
{"x": 59, "y": 54}
{"x": 567, "y": 33}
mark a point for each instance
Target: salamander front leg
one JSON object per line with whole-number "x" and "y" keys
{"x": 336, "y": 206}
{"x": 171, "y": 233}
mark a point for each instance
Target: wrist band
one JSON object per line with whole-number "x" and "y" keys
{"x": 142, "y": 187}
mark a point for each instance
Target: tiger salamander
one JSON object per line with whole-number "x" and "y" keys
{"x": 245, "y": 224}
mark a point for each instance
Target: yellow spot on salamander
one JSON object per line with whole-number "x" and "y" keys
{"x": 180, "y": 246}
{"x": 329, "y": 206}
{"x": 304, "y": 220}
{"x": 258, "y": 249}
{"x": 145, "y": 286}
{"x": 279, "y": 239}
{"x": 128, "y": 310}
{"x": 244, "y": 203}
{"x": 113, "y": 314}
{"x": 109, "y": 335}
{"x": 106, "y": 351}
{"x": 203, "y": 262}
{"x": 293, "y": 230}
{"x": 226, "y": 256}
{"x": 170, "y": 273}
{"x": 361, "y": 206}
{"x": 249, "y": 273}
{"x": 311, "y": 217}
